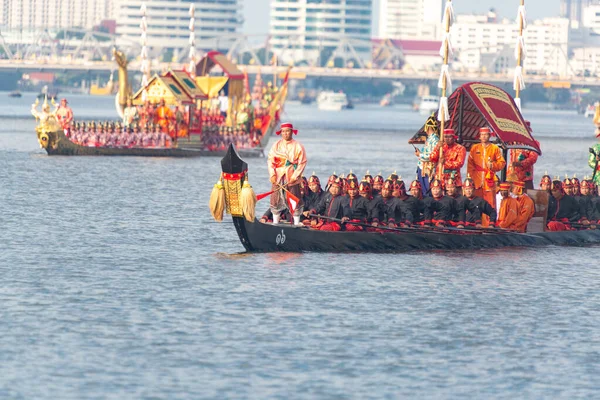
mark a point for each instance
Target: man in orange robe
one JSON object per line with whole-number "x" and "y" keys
{"x": 526, "y": 206}
{"x": 164, "y": 115}
{"x": 286, "y": 163}
{"x": 485, "y": 159}
{"x": 509, "y": 209}
{"x": 452, "y": 157}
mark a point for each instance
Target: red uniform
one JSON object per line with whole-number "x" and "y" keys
{"x": 524, "y": 171}
{"x": 454, "y": 159}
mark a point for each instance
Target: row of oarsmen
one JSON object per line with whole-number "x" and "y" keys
{"x": 109, "y": 134}
{"x": 219, "y": 137}
{"x": 378, "y": 202}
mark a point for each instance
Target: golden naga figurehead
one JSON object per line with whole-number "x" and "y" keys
{"x": 48, "y": 125}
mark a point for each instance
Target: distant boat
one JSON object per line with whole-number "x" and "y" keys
{"x": 332, "y": 101}
{"x": 52, "y": 94}
{"x": 428, "y": 105}
{"x": 15, "y": 93}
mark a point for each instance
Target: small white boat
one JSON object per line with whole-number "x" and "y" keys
{"x": 590, "y": 110}
{"x": 332, "y": 101}
{"x": 428, "y": 105}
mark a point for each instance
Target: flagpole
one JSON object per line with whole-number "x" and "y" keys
{"x": 192, "y": 55}
{"x": 145, "y": 63}
{"x": 518, "y": 82}
{"x": 445, "y": 82}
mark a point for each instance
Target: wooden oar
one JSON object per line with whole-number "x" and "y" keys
{"x": 403, "y": 230}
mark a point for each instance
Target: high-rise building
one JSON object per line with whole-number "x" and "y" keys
{"x": 168, "y": 20}
{"x": 304, "y": 29}
{"x": 481, "y": 42}
{"x": 54, "y": 14}
{"x": 575, "y": 11}
{"x": 410, "y": 19}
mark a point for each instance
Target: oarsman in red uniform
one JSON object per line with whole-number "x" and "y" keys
{"x": 521, "y": 163}
{"x": 546, "y": 183}
{"x": 476, "y": 206}
{"x": 459, "y": 213}
{"x": 365, "y": 190}
{"x": 568, "y": 187}
{"x": 415, "y": 189}
{"x": 439, "y": 209}
{"x": 314, "y": 194}
{"x": 359, "y": 206}
{"x": 286, "y": 163}
{"x": 509, "y": 209}
{"x": 563, "y": 209}
{"x": 64, "y": 114}
{"x": 377, "y": 184}
{"x": 588, "y": 201}
{"x": 334, "y": 206}
{"x": 526, "y": 206}
{"x": 452, "y": 159}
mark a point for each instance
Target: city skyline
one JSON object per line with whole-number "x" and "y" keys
{"x": 256, "y": 15}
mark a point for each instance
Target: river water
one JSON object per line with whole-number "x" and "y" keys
{"x": 117, "y": 284}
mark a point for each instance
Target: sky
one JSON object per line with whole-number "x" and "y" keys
{"x": 256, "y": 12}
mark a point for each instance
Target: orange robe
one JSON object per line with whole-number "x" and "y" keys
{"x": 287, "y": 160}
{"x": 477, "y": 168}
{"x": 526, "y": 212}
{"x": 454, "y": 159}
{"x": 164, "y": 115}
{"x": 508, "y": 214}
{"x": 527, "y": 158}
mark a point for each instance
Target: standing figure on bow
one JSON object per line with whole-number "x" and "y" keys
{"x": 286, "y": 163}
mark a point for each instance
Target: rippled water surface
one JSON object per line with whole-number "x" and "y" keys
{"x": 116, "y": 283}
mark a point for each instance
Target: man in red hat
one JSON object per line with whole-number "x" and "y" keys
{"x": 359, "y": 206}
{"x": 64, "y": 114}
{"x": 476, "y": 206}
{"x": 377, "y": 184}
{"x": 409, "y": 205}
{"x": 439, "y": 209}
{"x": 587, "y": 208}
{"x": 526, "y": 206}
{"x": 562, "y": 209}
{"x": 546, "y": 183}
{"x": 509, "y": 209}
{"x": 385, "y": 208}
{"x": 314, "y": 194}
{"x": 461, "y": 203}
{"x": 286, "y": 163}
{"x": 452, "y": 159}
{"x": 485, "y": 159}
{"x": 365, "y": 190}
{"x": 332, "y": 207}
{"x": 521, "y": 163}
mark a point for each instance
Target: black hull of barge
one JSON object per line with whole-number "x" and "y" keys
{"x": 259, "y": 237}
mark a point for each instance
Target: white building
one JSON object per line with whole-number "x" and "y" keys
{"x": 303, "y": 29}
{"x": 54, "y": 14}
{"x": 482, "y": 43}
{"x": 410, "y": 19}
{"x": 168, "y": 20}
